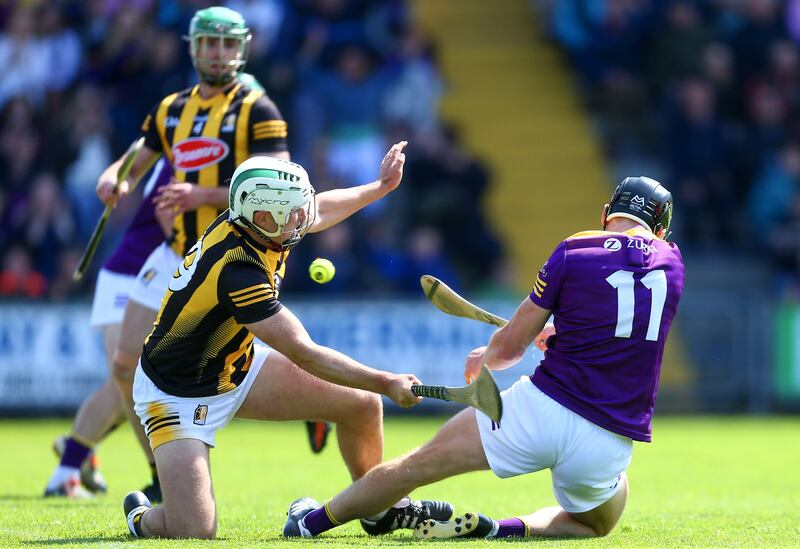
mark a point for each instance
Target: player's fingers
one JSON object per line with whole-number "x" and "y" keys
{"x": 164, "y": 202}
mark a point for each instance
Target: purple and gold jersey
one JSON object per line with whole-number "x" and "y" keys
{"x": 613, "y": 296}
{"x": 144, "y": 233}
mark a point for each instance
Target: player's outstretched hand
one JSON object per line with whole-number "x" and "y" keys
{"x": 400, "y": 390}
{"x": 392, "y": 167}
{"x": 541, "y": 339}
{"x": 472, "y": 366}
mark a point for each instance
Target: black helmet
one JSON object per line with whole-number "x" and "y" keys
{"x": 642, "y": 199}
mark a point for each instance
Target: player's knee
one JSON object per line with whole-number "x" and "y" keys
{"x": 201, "y": 527}
{"x": 602, "y": 529}
{"x": 364, "y": 406}
{"x": 370, "y": 405}
{"x": 199, "y": 531}
{"x": 123, "y": 367}
{"x": 208, "y": 531}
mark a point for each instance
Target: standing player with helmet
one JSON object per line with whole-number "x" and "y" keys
{"x": 204, "y": 132}
{"x": 200, "y": 366}
{"x": 613, "y": 294}
{"x": 77, "y": 474}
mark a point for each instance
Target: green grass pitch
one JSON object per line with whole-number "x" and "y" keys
{"x": 704, "y": 482}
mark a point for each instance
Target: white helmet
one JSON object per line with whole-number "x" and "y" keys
{"x": 275, "y": 186}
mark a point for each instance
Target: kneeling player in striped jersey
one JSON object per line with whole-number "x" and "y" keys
{"x": 200, "y": 366}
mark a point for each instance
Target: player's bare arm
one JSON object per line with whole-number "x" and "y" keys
{"x": 336, "y": 205}
{"x": 508, "y": 344}
{"x": 284, "y": 332}
{"x": 108, "y": 179}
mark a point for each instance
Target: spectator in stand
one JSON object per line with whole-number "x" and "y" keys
{"x": 446, "y": 186}
{"x": 352, "y": 99}
{"x": 18, "y": 277}
{"x": 412, "y": 100}
{"x": 763, "y": 25}
{"x": 24, "y": 59}
{"x": 718, "y": 70}
{"x": 774, "y": 207}
{"x": 766, "y": 125}
{"x": 62, "y": 47}
{"x": 427, "y": 256}
{"x": 86, "y": 146}
{"x": 45, "y": 223}
{"x": 698, "y": 155}
{"x": 20, "y": 149}
{"x": 676, "y": 50}
{"x": 63, "y": 287}
{"x": 164, "y": 69}
{"x": 784, "y": 75}
{"x": 351, "y": 72}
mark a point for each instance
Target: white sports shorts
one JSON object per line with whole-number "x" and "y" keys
{"x": 110, "y": 297}
{"x": 536, "y": 432}
{"x": 153, "y": 279}
{"x": 167, "y": 417}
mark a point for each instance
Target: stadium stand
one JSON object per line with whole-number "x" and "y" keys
{"x": 349, "y": 75}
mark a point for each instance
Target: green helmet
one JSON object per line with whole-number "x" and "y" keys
{"x": 250, "y": 81}
{"x": 222, "y": 24}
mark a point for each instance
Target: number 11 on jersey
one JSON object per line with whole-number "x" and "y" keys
{"x": 623, "y": 281}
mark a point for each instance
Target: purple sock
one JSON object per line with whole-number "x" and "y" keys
{"x": 74, "y": 453}
{"x": 511, "y": 528}
{"x": 319, "y": 520}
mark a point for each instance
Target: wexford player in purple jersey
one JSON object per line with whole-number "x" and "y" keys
{"x": 77, "y": 474}
{"x": 613, "y": 295}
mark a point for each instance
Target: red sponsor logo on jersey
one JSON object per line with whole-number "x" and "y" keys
{"x": 196, "y": 153}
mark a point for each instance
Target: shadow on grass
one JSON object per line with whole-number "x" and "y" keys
{"x": 20, "y": 497}
{"x": 49, "y": 502}
{"x": 398, "y": 541}
{"x": 77, "y": 541}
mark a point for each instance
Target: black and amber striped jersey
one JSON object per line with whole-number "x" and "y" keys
{"x": 205, "y": 139}
{"x": 199, "y": 346}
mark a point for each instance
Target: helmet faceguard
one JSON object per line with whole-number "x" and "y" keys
{"x": 210, "y": 34}
{"x": 281, "y": 189}
{"x": 643, "y": 200}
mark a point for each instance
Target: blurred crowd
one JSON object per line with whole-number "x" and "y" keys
{"x": 704, "y": 94}
{"x": 349, "y": 76}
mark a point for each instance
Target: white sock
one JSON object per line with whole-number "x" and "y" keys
{"x": 404, "y": 502}
{"x": 60, "y": 476}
